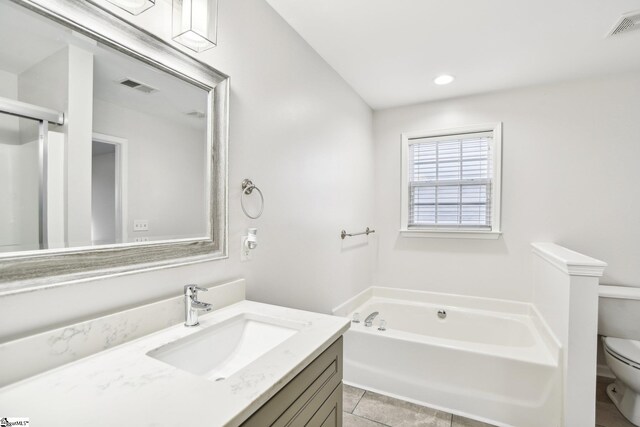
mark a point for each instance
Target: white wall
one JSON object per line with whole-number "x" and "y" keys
{"x": 570, "y": 174}
{"x": 304, "y": 137}
{"x": 78, "y": 148}
{"x": 56, "y": 211}
{"x": 565, "y": 293}
{"x": 166, "y": 171}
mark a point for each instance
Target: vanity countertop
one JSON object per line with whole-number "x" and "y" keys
{"x": 125, "y": 386}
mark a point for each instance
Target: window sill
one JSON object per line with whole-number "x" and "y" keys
{"x": 451, "y": 234}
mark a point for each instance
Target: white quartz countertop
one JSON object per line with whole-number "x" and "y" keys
{"x": 124, "y": 386}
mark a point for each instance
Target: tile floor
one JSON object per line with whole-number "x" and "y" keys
{"x": 607, "y": 415}
{"x": 367, "y": 409}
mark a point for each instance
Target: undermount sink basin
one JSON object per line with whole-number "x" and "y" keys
{"x": 220, "y": 350}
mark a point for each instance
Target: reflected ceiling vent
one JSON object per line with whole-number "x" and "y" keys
{"x": 196, "y": 114}
{"x": 137, "y": 86}
{"x": 627, "y": 23}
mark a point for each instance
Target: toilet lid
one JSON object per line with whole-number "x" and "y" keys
{"x": 629, "y": 349}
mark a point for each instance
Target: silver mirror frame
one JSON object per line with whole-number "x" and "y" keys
{"x": 33, "y": 269}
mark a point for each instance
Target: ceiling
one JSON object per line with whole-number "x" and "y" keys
{"x": 173, "y": 100}
{"x": 26, "y": 40}
{"x": 390, "y": 51}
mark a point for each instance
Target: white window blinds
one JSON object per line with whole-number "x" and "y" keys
{"x": 450, "y": 181}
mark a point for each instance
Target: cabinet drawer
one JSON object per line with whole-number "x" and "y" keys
{"x": 329, "y": 414}
{"x": 303, "y": 396}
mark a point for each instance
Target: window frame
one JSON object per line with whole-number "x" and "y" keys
{"x": 496, "y": 185}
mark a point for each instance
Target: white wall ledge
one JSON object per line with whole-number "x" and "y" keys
{"x": 444, "y": 233}
{"x": 568, "y": 261}
{"x": 619, "y": 292}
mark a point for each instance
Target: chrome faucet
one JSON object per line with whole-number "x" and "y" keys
{"x": 369, "y": 320}
{"x": 192, "y": 306}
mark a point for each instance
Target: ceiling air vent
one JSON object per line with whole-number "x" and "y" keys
{"x": 627, "y": 22}
{"x": 137, "y": 86}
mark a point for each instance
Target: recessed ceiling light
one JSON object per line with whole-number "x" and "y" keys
{"x": 444, "y": 79}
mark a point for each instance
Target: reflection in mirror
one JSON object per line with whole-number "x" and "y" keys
{"x": 19, "y": 182}
{"x": 130, "y": 162}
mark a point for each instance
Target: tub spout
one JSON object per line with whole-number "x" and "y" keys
{"x": 369, "y": 320}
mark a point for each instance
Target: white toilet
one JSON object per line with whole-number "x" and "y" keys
{"x": 619, "y": 320}
{"x": 623, "y": 358}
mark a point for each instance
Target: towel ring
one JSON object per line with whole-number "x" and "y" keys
{"x": 247, "y": 188}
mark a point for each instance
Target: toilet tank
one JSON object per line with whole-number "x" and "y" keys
{"x": 619, "y": 312}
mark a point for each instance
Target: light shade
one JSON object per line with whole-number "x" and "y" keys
{"x": 195, "y": 23}
{"x": 134, "y": 7}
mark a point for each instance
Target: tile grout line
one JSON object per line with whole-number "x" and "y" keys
{"x": 356, "y": 405}
{"x": 365, "y": 418}
{"x": 373, "y": 421}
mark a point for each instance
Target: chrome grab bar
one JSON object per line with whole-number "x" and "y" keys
{"x": 344, "y": 234}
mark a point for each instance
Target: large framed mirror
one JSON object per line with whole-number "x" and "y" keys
{"x": 113, "y": 147}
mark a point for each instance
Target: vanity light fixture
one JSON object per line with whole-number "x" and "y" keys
{"x": 195, "y": 23}
{"x": 134, "y": 7}
{"x": 444, "y": 79}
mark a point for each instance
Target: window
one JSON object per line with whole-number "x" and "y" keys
{"x": 451, "y": 182}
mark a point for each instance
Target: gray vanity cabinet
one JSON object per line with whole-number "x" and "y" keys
{"x": 330, "y": 413}
{"x": 313, "y": 398}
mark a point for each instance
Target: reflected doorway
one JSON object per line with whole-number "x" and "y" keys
{"x": 108, "y": 192}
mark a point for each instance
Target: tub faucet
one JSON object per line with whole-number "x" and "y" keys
{"x": 369, "y": 320}
{"x": 192, "y": 306}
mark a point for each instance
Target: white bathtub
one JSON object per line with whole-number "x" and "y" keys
{"x": 490, "y": 360}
